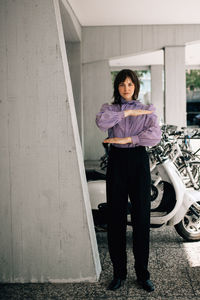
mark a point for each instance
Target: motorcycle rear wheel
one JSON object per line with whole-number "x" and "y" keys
{"x": 189, "y": 227}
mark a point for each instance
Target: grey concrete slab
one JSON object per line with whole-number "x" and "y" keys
{"x": 194, "y": 274}
{"x": 165, "y": 236}
{"x": 171, "y": 258}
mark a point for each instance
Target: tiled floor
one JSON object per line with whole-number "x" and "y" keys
{"x": 174, "y": 266}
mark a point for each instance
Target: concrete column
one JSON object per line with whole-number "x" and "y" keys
{"x": 46, "y": 226}
{"x": 97, "y": 89}
{"x": 175, "y": 85}
{"x": 157, "y": 97}
{"x": 75, "y": 66}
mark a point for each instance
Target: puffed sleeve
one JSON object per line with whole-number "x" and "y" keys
{"x": 108, "y": 117}
{"x": 151, "y": 134}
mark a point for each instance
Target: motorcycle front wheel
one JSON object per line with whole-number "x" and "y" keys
{"x": 195, "y": 172}
{"x": 189, "y": 227}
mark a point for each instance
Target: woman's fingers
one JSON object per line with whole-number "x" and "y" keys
{"x": 147, "y": 111}
{"x": 136, "y": 112}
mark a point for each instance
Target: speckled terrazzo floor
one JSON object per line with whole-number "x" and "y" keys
{"x": 174, "y": 266}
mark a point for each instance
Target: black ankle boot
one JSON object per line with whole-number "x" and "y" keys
{"x": 115, "y": 283}
{"x": 146, "y": 285}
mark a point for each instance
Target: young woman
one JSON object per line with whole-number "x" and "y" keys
{"x": 131, "y": 126}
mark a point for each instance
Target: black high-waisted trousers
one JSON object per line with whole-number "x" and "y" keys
{"x": 128, "y": 173}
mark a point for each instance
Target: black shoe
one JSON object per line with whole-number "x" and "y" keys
{"x": 115, "y": 284}
{"x": 147, "y": 285}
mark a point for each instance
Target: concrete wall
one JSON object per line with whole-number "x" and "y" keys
{"x": 97, "y": 90}
{"x": 75, "y": 66}
{"x": 157, "y": 95}
{"x": 102, "y": 43}
{"x": 72, "y": 35}
{"x": 46, "y": 227}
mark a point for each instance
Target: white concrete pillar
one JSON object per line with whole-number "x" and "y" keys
{"x": 157, "y": 96}
{"x": 175, "y": 85}
{"x": 46, "y": 227}
{"x": 97, "y": 89}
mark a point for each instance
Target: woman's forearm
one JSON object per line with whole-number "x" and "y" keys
{"x": 117, "y": 140}
{"x": 136, "y": 112}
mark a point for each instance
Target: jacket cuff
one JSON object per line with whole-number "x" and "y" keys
{"x": 135, "y": 139}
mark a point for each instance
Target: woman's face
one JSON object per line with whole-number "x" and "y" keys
{"x": 126, "y": 89}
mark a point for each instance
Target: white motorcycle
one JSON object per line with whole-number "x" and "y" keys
{"x": 177, "y": 205}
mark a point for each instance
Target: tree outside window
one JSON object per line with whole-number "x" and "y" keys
{"x": 193, "y": 97}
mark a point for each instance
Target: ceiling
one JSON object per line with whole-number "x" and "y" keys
{"x": 132, "y": 12}
{"x": 140, "y": 12}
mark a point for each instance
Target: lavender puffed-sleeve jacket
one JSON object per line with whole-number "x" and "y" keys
{"x": 144, "y": 129}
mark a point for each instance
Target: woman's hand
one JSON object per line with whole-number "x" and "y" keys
{"x": 117, "y": 140}
{"x": 136, "y": 112}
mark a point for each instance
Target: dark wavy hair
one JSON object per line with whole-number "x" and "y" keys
{"x": 121, "y": 77}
